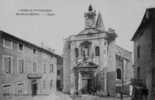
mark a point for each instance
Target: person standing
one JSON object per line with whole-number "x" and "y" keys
{"x": 145, "y": 92}
{"x": 130, "y": 90}
{"x": 134, "y": 93}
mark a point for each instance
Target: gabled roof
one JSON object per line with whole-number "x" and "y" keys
{"x": 90, "y": 30}
{"x": 149, "y": 14}
{"x": 5, "y": 34}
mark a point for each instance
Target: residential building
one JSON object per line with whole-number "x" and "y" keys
{"x": 25, "y": 68}
{"x": 59, "y": 73}
{"x": 92, "y": 62}
{"x": 144, "y": 52}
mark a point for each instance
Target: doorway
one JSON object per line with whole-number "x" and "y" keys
{"x": 87, "y": 86}
{"x": 34, "y": 87}
{"x": 90, "y": 86}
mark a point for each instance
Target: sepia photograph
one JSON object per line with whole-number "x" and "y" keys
{"x": 77, "y": 50}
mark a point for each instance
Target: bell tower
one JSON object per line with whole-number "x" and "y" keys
{"x": 90, "y": 17}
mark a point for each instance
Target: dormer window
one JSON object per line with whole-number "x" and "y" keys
{"x": 34, "y": 51}
{"x": 20, "y": 46}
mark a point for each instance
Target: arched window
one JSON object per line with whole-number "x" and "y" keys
{"x": 34, "y": 67}
{"x": 97, "y": 51}
{"x": 118, "y": 71}
{"x": 76, "y": 52}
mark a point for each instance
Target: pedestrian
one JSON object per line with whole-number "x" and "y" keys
{"x": 137, "y": 93}
{"x": 145, "y": 92}
{"x": 130, "y": 90}
{"x": 134, "y": 94}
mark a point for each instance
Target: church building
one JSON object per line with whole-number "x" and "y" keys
{"x": 92, "y": 62}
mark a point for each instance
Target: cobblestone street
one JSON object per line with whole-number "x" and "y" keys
{"x": 51, "y": 96}
{"x": 62, "y": 96}
{"x": 89, "y": 97}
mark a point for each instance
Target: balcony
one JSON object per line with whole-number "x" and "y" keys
{"x": 34, "y": 76}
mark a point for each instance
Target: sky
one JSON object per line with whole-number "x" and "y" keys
{"x": 122, "y": 15}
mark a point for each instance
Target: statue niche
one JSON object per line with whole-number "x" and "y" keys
{"x": 85, "y": 49}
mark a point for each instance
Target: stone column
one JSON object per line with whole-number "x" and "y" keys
{"x": 79, "y": 83}
{"x": 72, "y": 89}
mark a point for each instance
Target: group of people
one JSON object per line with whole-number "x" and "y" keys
{"x": 139, "y": 92}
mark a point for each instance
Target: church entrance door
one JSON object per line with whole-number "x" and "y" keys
{"x": 90, "y": 86}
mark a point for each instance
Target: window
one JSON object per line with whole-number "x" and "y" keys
{"x": 76, "y": 52}
{"x": 7, "y": 43}
{"x": 44, "y": 68}
{"x": 51, "y": 67}
{"x": 105, "y": 43}
{"x": 58, "y": 72}
{"x": 97, "y": 51}
{"x": 7, "y": 63}
{"x": 58, "y": 84}
{"x": 21, "y": 65}
{"x": 34, "y": 51}
{"x": 34, "y": 67}
{"x": 138, "y": 72}
{"x": 118, "y": 71}
{"x": 7, "y": 91}
{"x": 44, "y": 84}
{"x": 138, "y": 52}
{"x": 153, "y": 77}
{"x": 20, "y": 89}
{"x": 20, "y": 46}
{"x": 51, "y": 83}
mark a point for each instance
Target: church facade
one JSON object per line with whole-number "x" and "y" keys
{"x": 92, "y": 62}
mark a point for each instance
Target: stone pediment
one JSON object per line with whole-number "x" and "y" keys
{"x": 87, "y": 65}
{"x": 90, "y": 31}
